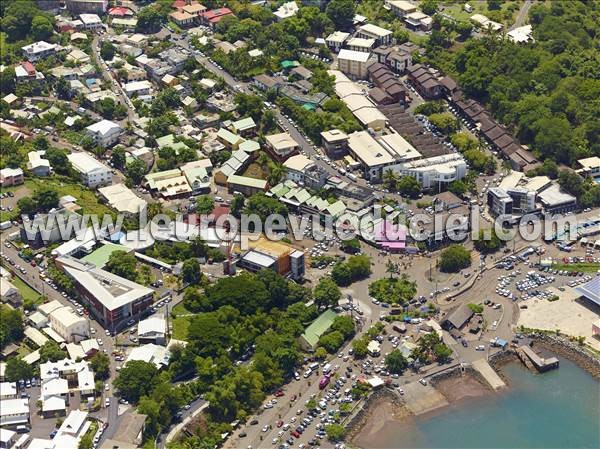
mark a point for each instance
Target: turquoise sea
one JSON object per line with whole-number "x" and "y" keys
{"x": 559, "y": 409}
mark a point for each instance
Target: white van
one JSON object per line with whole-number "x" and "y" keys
{"x": 352, "y": 176}
{"x": 327, "y": 369}
{"x": 314, "y": 366}
{"x": 22, "y": 441}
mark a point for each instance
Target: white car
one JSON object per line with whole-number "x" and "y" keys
{"x": 107, "y": 402}
{"x": 106, "y": 387}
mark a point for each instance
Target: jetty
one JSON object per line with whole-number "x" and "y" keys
{"x": 529, "y": 357}
{"x": 488, "y": 373}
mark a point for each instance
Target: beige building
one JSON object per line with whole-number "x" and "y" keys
{"x": 354, "y": 63}
{"x": 68, "y": 325}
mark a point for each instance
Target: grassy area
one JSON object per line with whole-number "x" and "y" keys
{"x": 85, "y": 197}
{"x": 28, "y": 294}
{"x": 254, "y": 170}
{"x": 180, "y": 327}
{"x": 509, "y": 11}
{"x": 180, "y": 309}
{"x": 585, "y": 267}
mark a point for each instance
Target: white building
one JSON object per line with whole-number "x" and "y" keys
{"x": 91, "y": 22}
{"x": 401, "y": 7}
{"x": 138, "y": 88}
{"x": 105, "y": 133}
{"x": 122, "y": 198}
{"x": 153, "y": 330}
{"x": 150, "y": 353}
{"x": 8, "y": 390}
{"x": 93, "y": 173}
{"x": 370, "y": 154}
{"x": 370, "y": 31}
{"x": 336, "y": 40}
{"x": 37, "y": 164}
{"x": 361, "y": 44}
{"x": 435, "y": 172}
{"x": 70, "y": 326}
{"x": 14, "y": 412}
{"x": 286, "y": 10}
{"x": 38, "y": 50}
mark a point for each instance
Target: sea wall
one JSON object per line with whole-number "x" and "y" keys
{"x": 576, "y": 353}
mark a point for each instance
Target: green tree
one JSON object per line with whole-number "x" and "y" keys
{"x": 341, "y": 13}
{"x": 100, "y": 364}
{"x": 331, "y": 341}
{"x": 122, "y": 264}
{"x": 454, "y": 258}
{"x": 107, "y": 50}
{"x": 190, "y": 272}
{"x": 17, "y": 369}
{"x": 149, "y": 19}
{"x": 51, "y": 352}
{"x": 136, "y": 379}
{"x": 27, "y": 206}
{"x": 41, "y": 28}
{"x": 490, "y": 245}
{"x": 409, "y": 186}
{"x": 136, "y": 170}
{"x": 359, "y": 347}
{"x": 11, "y": 325}
{"x": 118, "y": 157}
{"x": 445, "y": 122}
{"x": 326, "y": 293}
{"x": 341, "y": 274}
{"x": 395, "y": 362}
{"x": 204, "y": 205}
{"x": 335, "y": 432}
{"x": 46, "y": 198}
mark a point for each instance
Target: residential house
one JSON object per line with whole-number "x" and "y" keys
{"x": 282, "y": 145}
{"x": 336, "y": 40}
{"x": 335, "y": 143}
{"x": 370, "y": 31}
{"x": 11, "y": 177}
{"x": 39, "y": 50}
{"x": 70, "y": 326}
{"x": 37, "y": 164}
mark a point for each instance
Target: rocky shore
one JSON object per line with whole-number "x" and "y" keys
{"x": 563, "y": 347}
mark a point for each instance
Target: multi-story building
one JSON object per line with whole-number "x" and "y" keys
{"x": 354, "y": 63}
{"x": 86, "y": 6}
{"x": 499, "y": 202}
{"x": 370, "y": 31}
{"x": 113, "y": 300}
{"x": 71, "y": 327}
{"x": 38, "y": 50}
{"x": 11, "y": 177}
{"x": 336, "y": 40}
{"x": 335, "y": 143}
{"x": 93, "y": 173}
{"x": 304, "y": 171}
{"x": 105, "y": 133}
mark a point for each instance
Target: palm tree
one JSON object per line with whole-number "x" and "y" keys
{"x": 391, "y": 268}
{"x": 263, "y": 159}
{"x": 390, "y": 178}
{"x": 276, "y": 173}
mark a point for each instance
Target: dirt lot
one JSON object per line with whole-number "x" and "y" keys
{"x": 570, "y": 315}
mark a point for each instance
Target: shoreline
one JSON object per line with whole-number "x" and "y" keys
{"x": 385, "y": 406}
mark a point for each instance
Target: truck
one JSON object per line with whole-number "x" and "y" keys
{"x": 327, "y": 369}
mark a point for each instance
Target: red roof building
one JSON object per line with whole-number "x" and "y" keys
{"x": 29, "y": 68}
{"x": 213, "y": 16}
{"x": 120, "y": 11}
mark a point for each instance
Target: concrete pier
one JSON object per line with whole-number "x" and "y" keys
{"x": 526, "y": 354}
{"x": 488, "y": 373}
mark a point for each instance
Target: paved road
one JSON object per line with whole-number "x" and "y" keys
{"x": 107, "y": 75}
{"x": 522, "y": 16}
{"x": 31, "y": 277}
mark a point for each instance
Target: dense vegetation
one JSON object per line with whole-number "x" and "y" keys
{"x": 547, "y": 91}
{"x": 454, "y": 258}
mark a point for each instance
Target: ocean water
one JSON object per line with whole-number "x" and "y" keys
{"x": 559, "y": 409}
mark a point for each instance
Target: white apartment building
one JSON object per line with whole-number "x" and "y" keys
{"x": 336, "y": 40}
{"x": 93, "y": 173}
{"x": 14, "y": 412}
{"x": 105, "y": 133}
{"x": 91, "y": 22}
{"x": 435, "y": 172}
{"x": 370, "y": 31}
{"x": 70, "y": 326}
{"x": 38, "y": 50}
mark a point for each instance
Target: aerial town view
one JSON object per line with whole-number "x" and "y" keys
{"x": 299, "y": 224}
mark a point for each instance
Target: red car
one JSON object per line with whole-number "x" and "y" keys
{"x": 278, "y": 393}
{"x": 295, "y": 434}
{"x": 279, "y": 423}
{"x": 293, "y": 398}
